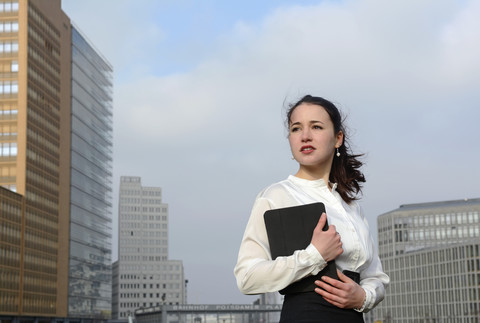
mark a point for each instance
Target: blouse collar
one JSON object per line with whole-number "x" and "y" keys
{"x": 316, "y": 183}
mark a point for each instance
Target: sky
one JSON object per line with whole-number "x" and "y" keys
{"x": 201, "y": 88}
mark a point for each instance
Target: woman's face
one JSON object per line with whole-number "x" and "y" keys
{"x": 312, "y": 137}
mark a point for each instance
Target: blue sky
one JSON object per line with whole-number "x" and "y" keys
{"x": 200, "y": 89}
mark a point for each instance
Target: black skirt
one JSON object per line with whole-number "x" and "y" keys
{"x": 312, "y": 307}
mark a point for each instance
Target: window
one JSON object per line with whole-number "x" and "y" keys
{"x": 8, "y": 149}
{"x": 14, "y": 67}
{"x": 9, "y": 6}
{"x": 8, "y": 26}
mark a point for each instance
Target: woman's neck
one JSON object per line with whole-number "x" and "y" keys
{"x": 312, "y": 174}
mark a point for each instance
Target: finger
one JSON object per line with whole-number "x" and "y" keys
{"x": 332, "y": 281}
{"x": 327, "y": 287}
{"x": 332, "y": 227}
{"x": 331, "y": 298}
{"x": 344, "y": 278}
{"x": 322, "y": 221}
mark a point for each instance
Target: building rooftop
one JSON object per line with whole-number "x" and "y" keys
{"x": 439, "y": 204}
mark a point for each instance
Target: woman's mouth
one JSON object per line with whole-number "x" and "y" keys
{"x": 307, "y": 149}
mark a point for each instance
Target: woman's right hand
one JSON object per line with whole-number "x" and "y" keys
{"x": 328, "y": 243}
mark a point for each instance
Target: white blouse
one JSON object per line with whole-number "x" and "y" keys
{"x": 256, "y": 272}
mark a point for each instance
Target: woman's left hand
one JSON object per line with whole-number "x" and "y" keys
{"x": 343, "y": 293}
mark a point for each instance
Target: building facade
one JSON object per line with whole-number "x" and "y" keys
{"x": 35, "y": 160}
{"x": 90, "y": 257}
{"x": 431, "y": 251}
{"x": 143, "y": 275}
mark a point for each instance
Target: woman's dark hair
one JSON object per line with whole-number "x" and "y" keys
{"x": 345, "y": 168}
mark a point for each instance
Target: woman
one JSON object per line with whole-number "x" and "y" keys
{"x": 327, "y": 173}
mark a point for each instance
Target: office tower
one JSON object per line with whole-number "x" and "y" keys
{"x": 36, "y": 134}
{"x": 90, "y": 272}
{"x": 143, "y": 274}
{"x": 431, "y": 251}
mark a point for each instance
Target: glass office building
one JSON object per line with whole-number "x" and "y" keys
{"x": 431, "y": 251}
{"x": 91, "y": 181}
{"x": 55, "y": 167}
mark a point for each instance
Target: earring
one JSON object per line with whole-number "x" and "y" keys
{"x": 293, "y": 158}
{"x": 338, "y": 153}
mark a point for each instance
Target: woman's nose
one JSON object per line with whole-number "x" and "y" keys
{"x": 306, "y": 135}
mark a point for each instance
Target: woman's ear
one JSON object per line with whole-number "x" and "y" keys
{"x": 339, "y": 142}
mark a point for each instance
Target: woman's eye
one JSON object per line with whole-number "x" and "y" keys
{"x": 294, "y": 129}
{"x": 317, "y": 127}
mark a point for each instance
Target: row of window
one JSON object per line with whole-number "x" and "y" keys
{"x": 146, "y": 277}
{"x": 8, "y": 26}
{"x": 44, "y": 42}
{"x": 36, "y": 261}
{"x": 41, "y": 222}
{"x": 43, "y": 62}
{"x": 141, "y": 192}
{"x": 128, "y": 200}
{"x": 8, "y": 46}
{"x": 51, "y": 204}
{"x": 9, "y": 256}
{"x": 43, "y": 140}
{"x": 9, "y": 6}
{"x": 46, "y": 83}
{"x": 10, "y": 211}
{"x": 8, "y": 301}
{"x": 41, "y": 241}
{"x": 43, "y": 119}
{"x": 152, "y": 226}
{"x": 440, "y": 233}
{"x": 8, "y": 149}
{"x": 153, "y": 268}
{"x": 43, "y": 304}
{"x": 150, "y": 295}
{"x": 10, "y": 232}
{"x": 142, "y": 217}
{"x": 437, "y": 219}
{"x": 147, "y": 258}
{"x": 385, "y": 223}
{"x": 44, "y": 181}
{"x": 8, "y": 112}
{"x": 8, "y": 87}
{"x": 39, "y": 283}
{"x": 144, "y": 233}
{"x": 42, "y": 22}
{"x": 43, "y": 161}
{"x": 9, "y": 279}
{"x": 150, "y": 286}
{"x": 141, "y": 242}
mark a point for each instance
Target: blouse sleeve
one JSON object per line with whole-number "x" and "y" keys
{"x": 255, "y": 270}
{"x": 372, "y": 278}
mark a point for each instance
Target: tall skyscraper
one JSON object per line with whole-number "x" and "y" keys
{"x": 143, "y": 274}
{"x": 46, "y": 171}
{"x": 431, "y": 251}
{"x": 90, "y": 269}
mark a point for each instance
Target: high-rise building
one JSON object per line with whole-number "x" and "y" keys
{"x": 90, "y": 269}
{"x": 52, "y": 112}
{"x": 431, "y": 251}
{"x": 143, "y": 274}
